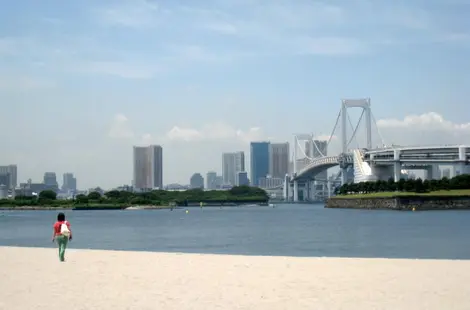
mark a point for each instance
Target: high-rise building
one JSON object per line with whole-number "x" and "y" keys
{"x": 219, "y": 181}
{"x": 211, "y": 180}
{"x": 50, "y": 181}
{"x": 259, "y": 154}
{"x": 12, "y": 171}
{"x": 148, "y": 167}
{"x": 279, "y": 159}
{"x": 242, "y": 178}
{"x": 196, "y": 181}
{"x": 69, "y": 182}
{"x": 5, "y": 180}
{"x": 232, "y": 163}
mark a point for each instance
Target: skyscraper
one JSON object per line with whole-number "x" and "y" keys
{"x": 69, "y": 182}
{"x": 148, "y": 167}
{"x": 259, "y": 154}
{"x": 211, "y": 179}
{"x": 50, "y": 181}
{"x": 232, "y": 163}
{"x": 279, "y": 159}
{"x": 10, "y": 172}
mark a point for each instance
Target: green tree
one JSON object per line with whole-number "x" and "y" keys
{"x": 94, "y": 196}
{"x": 81, "y": 199}
{"x": 47, "y": 195}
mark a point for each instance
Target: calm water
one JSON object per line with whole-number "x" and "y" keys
{"x": 287, "y": 230}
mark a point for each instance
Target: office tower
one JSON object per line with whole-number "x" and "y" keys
{"x": 279, "y": 159}
{"x": 219, "y": 181}
{"x": 211, "y": 179}
{"x": 259, "y": 153}
{"x": 148, "y": 167}
{"x": 69, "y": 182}
{"x": 232, "y": 163}
{"x": 12, "y": 172}
{"x": 196, "y": 181}
{"x": 5, "y": 180}
{"x": 242, "y": 178}
{"x": 50, "y": 181}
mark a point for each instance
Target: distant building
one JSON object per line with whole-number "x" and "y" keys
{"x": 50, "y": 181}
{"x": 211, "y": 180}
{"x": 12, "y": 171}
{"x": 268, "y": 182}
{"x": 232, "y": 163}
{"x": 69, "y": 182}
{"x": 219, "y": 181}
{"x": 279, "y": 159}
{"x": 259, "y": 154}
{"x": 196, "y": 181}
{"x": 148, "y": 167}
{"x": 30, "y": 188}
{"x": 242, "y": 178}
{"x": 5, "y": 180}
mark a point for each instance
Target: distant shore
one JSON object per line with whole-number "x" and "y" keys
{"x": 80, "y": 207}
{"x": 118, "y": 207}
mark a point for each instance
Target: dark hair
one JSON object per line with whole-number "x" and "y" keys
{"x": 61, "y": 217}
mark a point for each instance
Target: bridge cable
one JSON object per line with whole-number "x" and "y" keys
{"x": 352, "y": 127}
{"x": 334, "y": 128}
{"x": 302, "y": 149}
{"x": 378, "y": 130}
{"x": 318, "y": 149}
{"x": 357, "y": 127}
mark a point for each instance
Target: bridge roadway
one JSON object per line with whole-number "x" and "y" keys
{"x": 400, "y": 157}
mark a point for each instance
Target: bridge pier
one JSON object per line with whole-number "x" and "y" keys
{"x": 396, "y": 166}
{"x": 296, "y": 191}
{"x": 344, "y": 176}
{"x": 461, "y": 167}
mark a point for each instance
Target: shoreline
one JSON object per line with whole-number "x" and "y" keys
{"x": 153, "y": 280}
{"x": 401, "y": 202}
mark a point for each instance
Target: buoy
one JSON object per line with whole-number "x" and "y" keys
{"x": 414, "y": 209}
{"x": 187, "y": 211}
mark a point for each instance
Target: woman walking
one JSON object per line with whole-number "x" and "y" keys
{"x": 62, "y": 233}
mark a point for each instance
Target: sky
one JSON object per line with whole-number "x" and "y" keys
{"x": 81, "y": 82}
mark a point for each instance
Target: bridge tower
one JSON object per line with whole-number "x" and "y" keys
{"x": 346, "y": 104}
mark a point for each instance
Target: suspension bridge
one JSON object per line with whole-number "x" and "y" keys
{"x": 309, "y": 179}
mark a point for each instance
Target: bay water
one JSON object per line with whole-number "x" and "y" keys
{"x": 286, "y": 230}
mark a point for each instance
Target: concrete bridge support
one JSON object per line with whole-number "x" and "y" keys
{"x": 462, "y": 167}
{"x": 396, "y": 165}
{"x": 296, "y": 191}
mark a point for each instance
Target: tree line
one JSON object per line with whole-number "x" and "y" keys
{"x": 237, "y": 194}
{"x": 410, "y": 185}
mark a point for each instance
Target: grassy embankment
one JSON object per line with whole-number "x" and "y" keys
{"x": 440, "y": 193}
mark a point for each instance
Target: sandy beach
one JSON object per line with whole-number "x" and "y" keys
{"x": 33, "y": 278}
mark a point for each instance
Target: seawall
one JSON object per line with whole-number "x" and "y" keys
{"x": 401, "y": 203}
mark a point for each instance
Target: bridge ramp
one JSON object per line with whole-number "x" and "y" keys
{"x": 362, "y": 170}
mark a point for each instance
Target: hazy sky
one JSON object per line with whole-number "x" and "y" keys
{"x": 81, "y": 82}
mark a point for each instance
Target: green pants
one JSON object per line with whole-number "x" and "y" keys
{"x": 62, "y": 242}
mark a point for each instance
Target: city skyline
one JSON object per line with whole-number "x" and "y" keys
{"x": 204, "y": 78}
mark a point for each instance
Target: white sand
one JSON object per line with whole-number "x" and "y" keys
{"x": 100, "y": 280}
